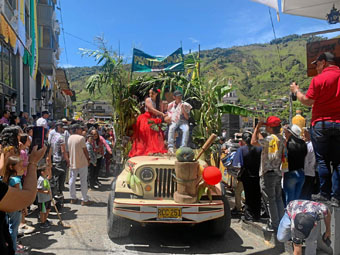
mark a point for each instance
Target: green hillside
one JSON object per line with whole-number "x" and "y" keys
{"x": 256, "y": 70}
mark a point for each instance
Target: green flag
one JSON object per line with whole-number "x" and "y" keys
{"x": 142, "y": 62}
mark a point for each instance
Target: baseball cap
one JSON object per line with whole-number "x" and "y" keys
{"x": 327, "y": 56}
{"x": 178, "y": 93}
{"x": 273, "y": 121}
{"x": 303, "y": 225}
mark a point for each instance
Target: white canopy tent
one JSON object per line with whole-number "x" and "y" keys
{"x": 309, "y": 8}
{"x": 271, "y": 3}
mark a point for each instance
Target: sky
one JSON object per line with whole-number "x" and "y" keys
{"x": 159, "y": 27}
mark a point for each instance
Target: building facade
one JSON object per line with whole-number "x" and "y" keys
{"x": 98, "y": 110}
{"x": 230, "y": 122}
{"x": 29, "y": 51}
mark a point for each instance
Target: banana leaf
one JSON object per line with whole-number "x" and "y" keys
{"x": 234, "y": 109}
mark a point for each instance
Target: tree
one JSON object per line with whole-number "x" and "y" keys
{"x": 113, "y": 75}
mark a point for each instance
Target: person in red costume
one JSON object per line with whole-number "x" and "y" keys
{"x": 146, "y": 140}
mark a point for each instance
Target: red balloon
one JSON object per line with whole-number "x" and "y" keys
{"x": 212, "y": 175}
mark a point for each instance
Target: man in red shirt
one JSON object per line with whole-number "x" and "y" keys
{"x": 324, "y": 95}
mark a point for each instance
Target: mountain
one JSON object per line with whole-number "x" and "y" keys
{"x": 259, "y": 72}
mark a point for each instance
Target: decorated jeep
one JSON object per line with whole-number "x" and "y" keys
{"x": 148, "y": 191}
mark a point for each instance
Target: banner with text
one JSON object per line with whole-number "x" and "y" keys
{"x": 142, "y": 62}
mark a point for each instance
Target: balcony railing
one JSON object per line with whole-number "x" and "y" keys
{"x": 96, "y": 110}
{"x": 45, "y": 15}
{"x": 46, "y": 61}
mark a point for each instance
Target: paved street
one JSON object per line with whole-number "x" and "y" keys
{"x": 87, "y": 235}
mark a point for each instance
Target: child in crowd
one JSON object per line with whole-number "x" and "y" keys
{"x": 44, "y": 197}
{"x": 12, "y": 176}
{"x": 25, "y": 143}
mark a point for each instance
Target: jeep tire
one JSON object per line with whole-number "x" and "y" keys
{"x": 221, "y": 225}
{"x": 117, "y": 227}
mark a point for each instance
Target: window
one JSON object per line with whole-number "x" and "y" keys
{"x": 45, "y": 36}
{"x": 27, "y": 22}
{"x": 99, "y": 107}
{"x": 13, "y": 4}
{"x": 7, "y": 65}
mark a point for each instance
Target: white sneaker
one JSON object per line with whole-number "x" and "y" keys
{"x": 171, "y": 150}
{"x": 25, "y": 229}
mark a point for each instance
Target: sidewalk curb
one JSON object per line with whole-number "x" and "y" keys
{"x": 269, "y": 238}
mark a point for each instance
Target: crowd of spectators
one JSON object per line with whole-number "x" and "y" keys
{"x": 38, "y": 175}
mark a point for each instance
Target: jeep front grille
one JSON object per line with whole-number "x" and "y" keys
{"x": 165, "y": 186}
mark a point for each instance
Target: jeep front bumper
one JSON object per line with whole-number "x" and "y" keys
{"x": 167, "y": 211}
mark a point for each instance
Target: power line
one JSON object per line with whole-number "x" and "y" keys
{"x": 277, "y": 45}
{"x": 79, "y": 38}
{"x": 62, "y": 29}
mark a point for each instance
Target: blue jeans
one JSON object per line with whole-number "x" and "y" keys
{"x": 284, "y": 233}
{"x": 185, "y": 133}
{"x": 325, "y": 137}
{"x": 14, "y": 219}
{"x": 292, "y": 184}
{"x": 272, "y": 193}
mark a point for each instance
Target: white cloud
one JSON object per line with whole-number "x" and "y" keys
{"x": 66, "y": 66}
{"x": 193, "y": 40}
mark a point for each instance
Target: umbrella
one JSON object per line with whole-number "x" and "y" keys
{"x": 309, "y": 8}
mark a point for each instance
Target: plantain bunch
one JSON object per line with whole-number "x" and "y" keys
{"x": 132, "y": 180}
{"x": 204, "y": 188}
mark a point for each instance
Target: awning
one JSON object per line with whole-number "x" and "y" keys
{"x": 309, "y": 8}
{"x": 271, "y": 3}
{"x": 62, "y": 79}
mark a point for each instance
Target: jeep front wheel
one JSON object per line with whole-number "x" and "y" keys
{"x": 117, "y": 227}
{"x": 220, "y": 226}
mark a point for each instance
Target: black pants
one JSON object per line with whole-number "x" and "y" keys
{"x": 95, "y": 171}
{"x": 59, "y": 173}
{"x": 252, "y": 192}
{"x": 90, "y": 176}
{"x": 307, "y": 189}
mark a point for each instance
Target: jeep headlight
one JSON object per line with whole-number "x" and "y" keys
{"x": 147, "y": 174}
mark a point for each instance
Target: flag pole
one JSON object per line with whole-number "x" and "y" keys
{"x": 199, "y": 58}
{"x": 133, "y": 56}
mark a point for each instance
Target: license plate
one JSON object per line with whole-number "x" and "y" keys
{"x": 166, "y": 213}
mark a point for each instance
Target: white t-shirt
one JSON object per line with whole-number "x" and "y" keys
{"x": 41, "y": 122}
{"x": 76, "y": 143}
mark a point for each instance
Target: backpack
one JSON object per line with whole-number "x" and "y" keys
{"x": 227, "y": 162}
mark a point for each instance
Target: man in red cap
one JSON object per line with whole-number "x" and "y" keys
{"x": 270, "y": 173}
{"x": 324, "y": 95}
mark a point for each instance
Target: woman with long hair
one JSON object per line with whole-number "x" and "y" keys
{"x": 98, "y": 143}
{"x": 146, "y": 140}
